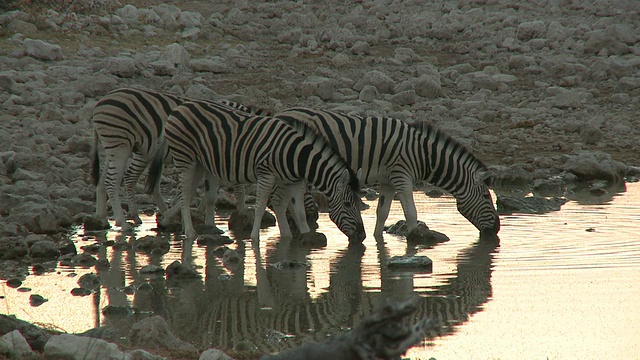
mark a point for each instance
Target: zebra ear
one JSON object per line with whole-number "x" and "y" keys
{"x": 359, "y": 176}
{"x": 484, "y": 176}
{"x": 345, "y": 177}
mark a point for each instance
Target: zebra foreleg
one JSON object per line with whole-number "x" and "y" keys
{"x": 263, "y": 190}
{"x": 211, "y": 186}
{"x": 382, "y": 211}
{"x": 297, "y": 207}
{"x": 188, "y": 185}
{"x": 408, "y": 207}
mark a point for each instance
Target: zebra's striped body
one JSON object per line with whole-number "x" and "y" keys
{"x": 396, "y": 155}
{"x": 129, "y": 123}
{"x": 242, "y": 149}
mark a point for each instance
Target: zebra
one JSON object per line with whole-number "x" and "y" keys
{"x": 129, "y": 124}
{"x": 396, "y": 154}
{"x": 226, "y": 145}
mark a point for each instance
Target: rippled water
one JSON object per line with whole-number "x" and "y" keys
{"x": 562, "y": 285}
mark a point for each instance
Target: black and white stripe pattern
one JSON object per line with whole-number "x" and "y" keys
{"x": 128, "y": 123}
{"x": 208, "y": 138}
{"x": 396, "y": 155}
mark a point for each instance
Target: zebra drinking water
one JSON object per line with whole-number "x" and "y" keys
{"x": 208, "y": 138}
{"x": 129, "y": 123}
{"x": 396, "y": 155}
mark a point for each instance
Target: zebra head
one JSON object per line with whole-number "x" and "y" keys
{"x": 476, "y": 204}
{"x": 344, "y": 207}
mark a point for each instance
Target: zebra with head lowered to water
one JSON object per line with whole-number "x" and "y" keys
{"x": 396, "y": 155}
{"x": 214, "y": 140}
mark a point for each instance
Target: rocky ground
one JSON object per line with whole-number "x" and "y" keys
{"x": 546, "y": 92}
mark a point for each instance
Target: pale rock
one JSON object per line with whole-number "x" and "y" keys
{"x": 189, "y": 19}
{"x": 199, "y": 91}
{"x": 369, "y": 93}
{"x": 22, "y": 27}
{"x": 192, "y": 33}
{"x": 320, "y": 86}
{"x": 42, "y": 50}
{"x": 213, "y": 64}
{"x": 122, "y": 66}
{"x": 380, "y": 80}
{"x": 608, "y": 39}
{"x": 361, "y": 48}
{"x": 15, "y": 346}
{"x": 531, "y": 30}
{"x": 129, "y": 14}
{"x": 214, "y": 354}
{"x": 340, "y": 60}
{"x": 176, "y": 55}
{"x": 407, "y": 97}
{"x": 168, "y": 14}
{"x": 72, "y": 347}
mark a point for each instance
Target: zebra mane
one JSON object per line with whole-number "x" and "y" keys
{"x": 432, "y": 130}
{"x": 310, "y": 133}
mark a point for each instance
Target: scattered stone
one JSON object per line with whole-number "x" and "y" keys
{"x": 14, "y": 283}
{"x": 74, "y": 347}
{"x": 89, "y": 281}
{"x": 81, "y": 292}
{"x": 242, "y": 220}
{"x": 528, "y": 205}
{"x": 313, "y": 239}
{"x": 36, "y": 300}
{"x": 407, "y": 262}
{"x": 422, "y": 235}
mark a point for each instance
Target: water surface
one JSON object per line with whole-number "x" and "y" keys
{"x": 562, "y": 285}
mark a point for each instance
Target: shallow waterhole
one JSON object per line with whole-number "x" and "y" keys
{"x": 561, "y": 285}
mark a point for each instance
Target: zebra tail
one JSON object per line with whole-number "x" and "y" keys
{"x": 95, "y": 163}
{"x": 155, "y": 171}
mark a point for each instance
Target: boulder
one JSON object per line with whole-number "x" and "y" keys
{"x": 44, "y": 249}
{"x": 380, "y": 80}
{"x": 591, "y": 165}
{"x": 15, "y": 346}
{"x": 154, "y": 333}
{"x": 35, "y": 336}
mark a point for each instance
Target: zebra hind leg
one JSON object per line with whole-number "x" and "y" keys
{"x": 131, "y": 176}
{"x": 117, "y": 162}
{"x": 263, "y": 190}
{"x": 101, "y": 201}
